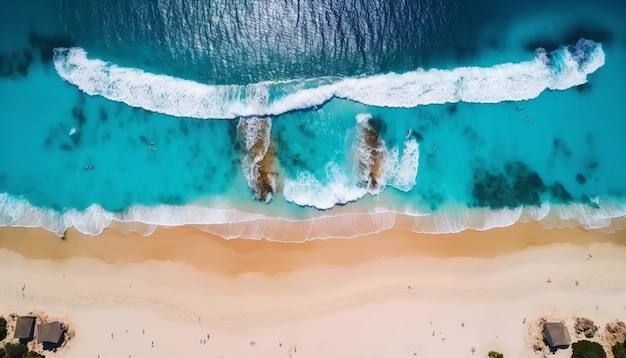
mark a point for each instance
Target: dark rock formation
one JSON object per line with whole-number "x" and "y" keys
{"x": 585, "y": 326}
{"x": 615, "y": 332}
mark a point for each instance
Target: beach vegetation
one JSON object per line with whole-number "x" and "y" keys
{"x": 587, "y": 349}
{"x": 494, "y": 354}
{"x": 32, "y": 354}
{"x": 12, "y": 350}
{"x": 3, "y": 328}
{"x": 619, "y": 350}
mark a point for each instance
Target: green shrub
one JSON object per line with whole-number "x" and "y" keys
{"x": 619, "y": 350}
{"x": 587, "y": 349}
{"x": 32, "y": 354}
{"x": 3, "y": 328}
{"x": 494, "y": 354}
{"x": 15, "y": 350}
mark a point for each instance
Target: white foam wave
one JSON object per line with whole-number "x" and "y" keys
{"x": 306, "y": 190}
{"x": 344, "y": 184}
{"x": 561, "y": 69}
{"x": 407, "y": 167}
{"x": 341, "y": 222}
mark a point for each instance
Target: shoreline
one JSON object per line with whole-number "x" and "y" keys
{"x": 345, "y": 222}
{"x": 210, "y": 253}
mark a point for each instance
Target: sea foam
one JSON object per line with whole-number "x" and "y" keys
{"x": 342, "y": 222}
{"x": 560, "y": 69}
{"x": 349, "y": 183}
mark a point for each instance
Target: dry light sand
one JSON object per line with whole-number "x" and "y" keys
{"x": 159, "y": 296}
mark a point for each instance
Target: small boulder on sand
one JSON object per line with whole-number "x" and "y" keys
{"x": 615, "y": 332}
{"x": 585, "y": 326}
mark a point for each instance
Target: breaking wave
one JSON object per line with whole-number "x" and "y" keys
{"x": 374, "y": 167}
{"x": 342, "y": 222}
{"x": 560, "y": 69}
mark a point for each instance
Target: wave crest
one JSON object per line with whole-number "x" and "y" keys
{"x": 560, "y": 69}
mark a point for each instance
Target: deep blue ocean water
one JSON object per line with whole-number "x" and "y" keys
{"x": 228, "y": 114}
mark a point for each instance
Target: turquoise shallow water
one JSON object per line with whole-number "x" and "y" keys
{"x": 142, "y": 124}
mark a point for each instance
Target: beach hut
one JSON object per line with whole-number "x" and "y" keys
{"x": 24, "y": 328}
{"x": 556, "y": 335}
{"x": 50, "y": 334}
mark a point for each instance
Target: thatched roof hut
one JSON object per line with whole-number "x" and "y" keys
{"x": 50, "y": 333}
{"x": 24, "y": 328}
{"x": 556, "y": 335}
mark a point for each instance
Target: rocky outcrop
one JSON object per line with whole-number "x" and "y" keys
{"x": 585, "y": 326}
{"x": 615, "y": 332}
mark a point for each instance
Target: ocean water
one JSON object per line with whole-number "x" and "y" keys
{"x": 252, "y": 118}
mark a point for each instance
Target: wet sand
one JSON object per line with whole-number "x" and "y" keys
{"x": 207, "y": 252}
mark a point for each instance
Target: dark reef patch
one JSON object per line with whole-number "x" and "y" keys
{"x": 58, "y": 135}
{"x": 418, "y": 137}
{"x": 592, "y": 164}
{"x": 516, "y": 184}
{"x": 297, "y": 162}
{"x": 379, "y": 126}
{"x": 195, "y": 152}
{"x": 16, "y": 64}
{"x": 232, "y": 133}
{"x": 76, "y": 139}
{"x": 587, "y": 200}
{"x": 581, "y": 179}
{"x": 527, "y": 185}
{"x": 585, "y": 87}
{"x": 452, "y": 109}
{"x": 306, "y": 131}
{"x": 559, "y": 147}
{"x": 433, "y": 198}
{"x": 571, "y": 36}
{"x": 79, "y": 115}
{"x": 172, "y": 199}
{"x": 470, "y": 134}
{"x": 557, "y": 190}
{"x": 102, "y": 114}
{"x": 45, "y": 45}
{"x": 144, "y": 140}
{"x": 183, "y": 127}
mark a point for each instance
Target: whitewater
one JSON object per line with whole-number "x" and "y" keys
{"x": 560, "y": 69}
{"x": 341, "y": 223}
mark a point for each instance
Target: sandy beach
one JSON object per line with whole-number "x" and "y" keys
{"x": 393, "y": 294}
